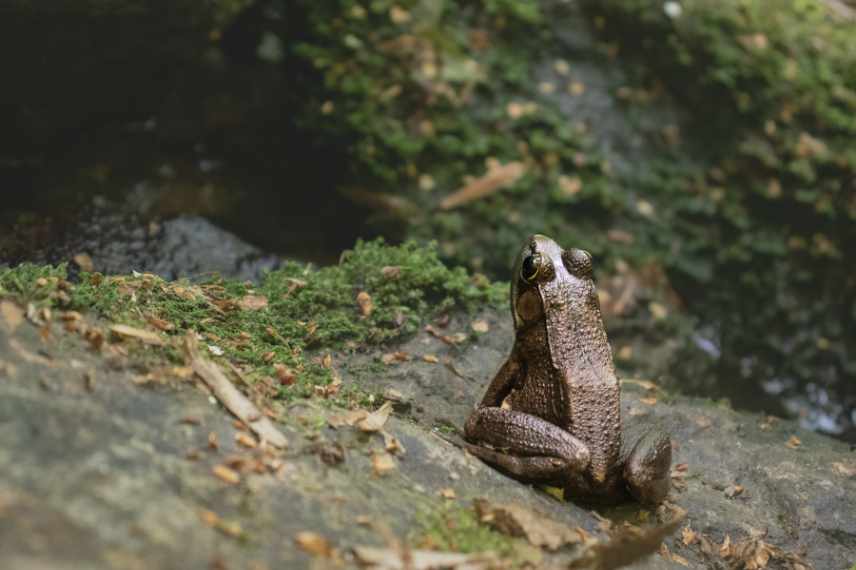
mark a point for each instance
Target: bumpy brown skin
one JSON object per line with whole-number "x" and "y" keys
{"x": 564, "y": 423}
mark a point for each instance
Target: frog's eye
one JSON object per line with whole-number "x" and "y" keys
{"x": 531, "y": 267}
{"x": 578, "y": 262}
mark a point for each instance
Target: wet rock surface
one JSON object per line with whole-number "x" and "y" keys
{"x": 110, "y": 463}
{"x": 117, "y": 241}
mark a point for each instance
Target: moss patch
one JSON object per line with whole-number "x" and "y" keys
{"x": 279, "y": 330}
{"x": 457, "y": 529}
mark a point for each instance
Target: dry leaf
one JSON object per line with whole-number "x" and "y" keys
{"x": 688, "y": 536}
{"x": 625, "y": 352}
{"x": 364, "y": 300}
{"x": 456, "y": 338}
{"x": 160, "y": 324}
{"x": 284, "y": 374}
{"x": 650, "y": 401}
{"x": 313, "y": 543}
{"x": 400, "y": 559}
{"x": 626, "y": 547}
{"x": 754, "y": 41}
{"x": 703, "y": 422}
{"x": 644, "y": 384}
{"x": 576, "y": 88}
{"x": 448, "y": 493}
{"x": 392, "y": 445}
{"x": 658, "y": 311}
{"x": 214, "y": 520}
{"x": 517, "y": 109}
{"x": 399, "y": 15}
{"x": 391, "y": 271}
{"x": 84, "y": 261}
{"x": 382, "y": 463}
{"x": 25, "y": 354}
{"x": 12, "y": 315}
{"x": 253, "y": 302}
{"x": 231, "y": 397}
{"x": 145, "y": 336}
{"x": 733, "y": 490}
{"x": 226, "y": 474}
{"x": 245, "y": 440}
{"x": 846, "y": 469}
{"x": 570, "y": 185}
{"x": 376, "y": 420}
{"x": 480, "y": 326}
{"x": 349, "y": 418}
{"x": 767, "y": 423}
{"x": 518, "y": 521}
{"x": 395, "y": 357}
{"x": 793, "y": 442}
{"x": 496, "y": 179}
{"x": 725, "y": 548}
{"x": 753, "y": 553}
{"x": 430, "y": 358}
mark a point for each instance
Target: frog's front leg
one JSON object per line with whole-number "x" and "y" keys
{"x": 527, "y": 447}
{"x": 647, "y": 467}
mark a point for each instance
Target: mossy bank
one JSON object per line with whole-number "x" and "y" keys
{"x": 279, "y": 330}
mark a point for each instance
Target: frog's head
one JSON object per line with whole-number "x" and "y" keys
{"x": 548, "y": 278}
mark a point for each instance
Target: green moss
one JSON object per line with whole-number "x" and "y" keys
{"x": 31, "y": 283}
{"x": 458, "y": 529}
{"x": 429, "y": 98}
{"x": 290, "y": 320}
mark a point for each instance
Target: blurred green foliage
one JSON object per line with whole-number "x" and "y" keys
{"x": 771, "y": 95}
{"x": 750, "y": 211}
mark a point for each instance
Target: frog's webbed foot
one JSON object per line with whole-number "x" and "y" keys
{"x": 647, "y": 467}
{"x": 523, "y": 445}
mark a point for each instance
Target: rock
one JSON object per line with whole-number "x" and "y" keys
{"x": 114, "y": 474}
{"x": 115, "y": 241}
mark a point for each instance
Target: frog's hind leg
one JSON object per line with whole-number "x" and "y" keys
{"x": 647, "y": 467}
{"x": 525, "y": 446}
{"x": 529, "y": 469}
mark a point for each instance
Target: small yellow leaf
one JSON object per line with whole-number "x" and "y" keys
{"x": 85, "y": 262}
{"x": 382, "y": 463}
{"x": 253, "y": 302}
{"x": 12, "y": 314}
{"x": 226, "y": 474}
{"x": 376, "y": 420}
{"x": 145, "y": 336}
{"x": 364, "y": 300}
{"x": 313, "y": 543}
{"x": 570, "y": 185}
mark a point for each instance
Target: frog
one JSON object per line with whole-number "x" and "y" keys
{"x": 552, "y": 413}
